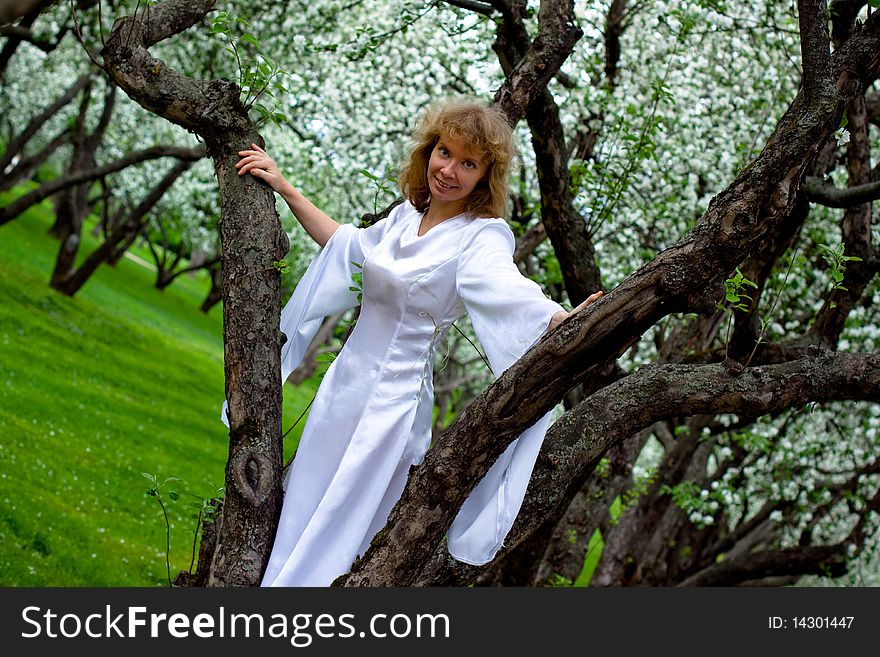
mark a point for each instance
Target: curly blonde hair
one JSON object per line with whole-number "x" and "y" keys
{"x": 485, "y": 130}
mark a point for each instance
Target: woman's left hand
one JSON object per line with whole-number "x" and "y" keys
{"x": 561, "y": 316}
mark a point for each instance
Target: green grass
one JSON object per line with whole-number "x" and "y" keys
{"x": 95, "y": 390}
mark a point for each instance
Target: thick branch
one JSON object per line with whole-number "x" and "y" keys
{"x": 161, "y": 21}
{"x": 565, "y": 227}
{"x": 200, "y": 106}
{"x": 736, "y": 221}
{"x": 805, "y": 560}
{"x": 856, "y": 229}
{"x": 826, "y": 193}
{"x": 558, "y": 32}
{"x": 759, "y": 266}
{"x": 614, "y": 27}
{"x": 527, "y": 244}
{"x": 576, "y": 442}
{"x": 815, "y": 46}
{"x": 483, "y": 8}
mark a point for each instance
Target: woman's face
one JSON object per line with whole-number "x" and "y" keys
{"x": 454, "y": 171}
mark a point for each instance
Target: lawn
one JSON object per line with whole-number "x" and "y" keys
{"x": 94, "y": 391}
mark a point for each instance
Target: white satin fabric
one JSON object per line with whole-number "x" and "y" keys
{"x": 371, "y": 418}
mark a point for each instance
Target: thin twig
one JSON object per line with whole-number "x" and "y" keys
{"x": 101, "y": 21}
{"x": 473, "y": 345}
{"x": 79, "y": 36}
{"x": 167, "y": 538}
{"x": 299, "y": 418}
{"x": 293, "y": 456}
{"x": 192, "y": 562}
{"x": 775, "y": 301}
{"x": 133, "y": 20}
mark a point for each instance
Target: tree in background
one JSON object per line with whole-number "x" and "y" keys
{"x": 711, "y": 432}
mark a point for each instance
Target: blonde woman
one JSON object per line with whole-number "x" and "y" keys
{"x": 442, "y": 253}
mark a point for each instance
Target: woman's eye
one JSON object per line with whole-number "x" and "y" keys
{"x": 443, "y": 151}
{"x": 470, "y": 165}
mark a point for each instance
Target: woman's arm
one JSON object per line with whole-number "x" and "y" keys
{"x": 317, "y": 224}
{"x": 559, "y": 317}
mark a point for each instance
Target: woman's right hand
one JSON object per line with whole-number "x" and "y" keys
{"x": 259, "y": 164}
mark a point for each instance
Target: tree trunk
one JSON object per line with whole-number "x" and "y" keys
{"x": 252, "y": 239}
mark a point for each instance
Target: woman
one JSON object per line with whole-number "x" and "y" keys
{"x": 442, "y": 253}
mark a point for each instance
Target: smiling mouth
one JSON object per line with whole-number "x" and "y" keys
{"x": 443, "y": 186}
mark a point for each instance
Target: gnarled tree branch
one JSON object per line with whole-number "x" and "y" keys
{"x": 735, "y": 222}
{"x": 576, "y": 442}
{"x": 827, "y": 194}
{"x": 558, "y": 31}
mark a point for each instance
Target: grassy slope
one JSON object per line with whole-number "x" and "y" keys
{"x": 94, "y": 390}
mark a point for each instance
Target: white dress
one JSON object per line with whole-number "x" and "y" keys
{"x": 371, "y": 419}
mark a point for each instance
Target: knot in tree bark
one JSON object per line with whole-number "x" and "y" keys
{"x": 252, "y": 475}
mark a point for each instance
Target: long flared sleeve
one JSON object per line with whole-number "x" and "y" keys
{"x": 324, "y": 289}
{"x": 509, "y": 314}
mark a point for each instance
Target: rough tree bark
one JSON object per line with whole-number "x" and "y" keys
{"x": 629, "y": 541}
{"x": 577, "y": 441}
{"x": 573, "y": 246}
{"x": 735, "y": 222}
{"x": 252, "y": 239}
